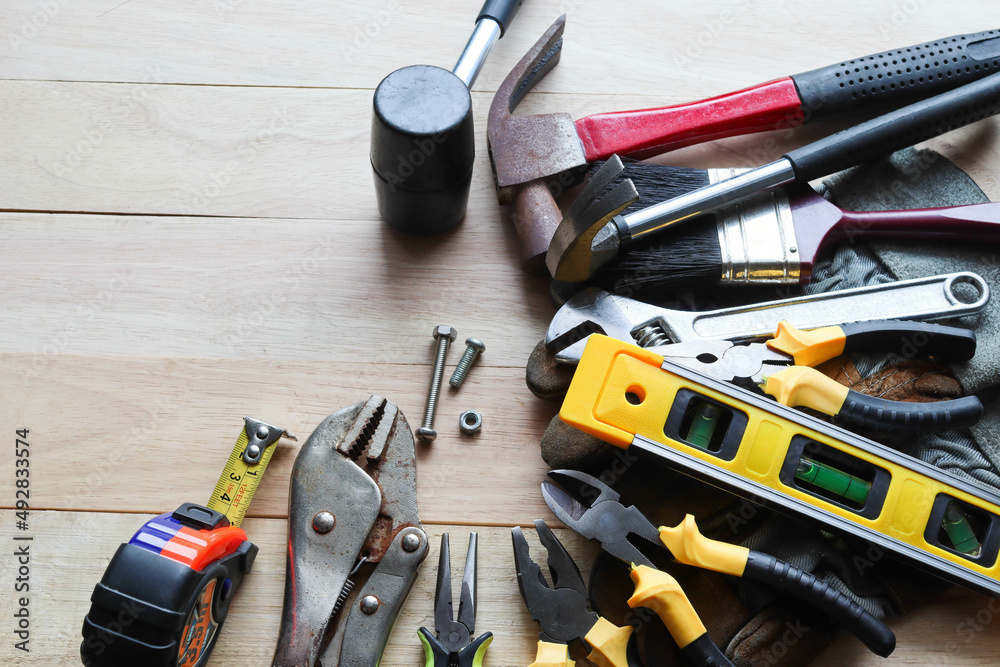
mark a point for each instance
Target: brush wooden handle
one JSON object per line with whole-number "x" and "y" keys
{"x": 975, "y": 223}
{"x": 898, "y": 129}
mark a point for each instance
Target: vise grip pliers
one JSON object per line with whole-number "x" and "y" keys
{"x": 352, "y": 513}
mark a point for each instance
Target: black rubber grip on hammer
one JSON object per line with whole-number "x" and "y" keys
{"x": 910, "y": 339}
{"x": 879, "y": 414}
{"x": 767, "y": 569}
{"x": 704, "y": 653}
{"x": 897, "y": 129}
{"x": 898, "y": 77}
{"x": 501, "y": 11}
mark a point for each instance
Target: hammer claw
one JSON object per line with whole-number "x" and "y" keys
{"x": 578, "y": 246}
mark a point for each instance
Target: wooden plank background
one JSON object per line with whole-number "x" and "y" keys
{"x": 189, "y": 234}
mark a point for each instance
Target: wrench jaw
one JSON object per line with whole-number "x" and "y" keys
{"x": 589, "y": 311}
{"x": 358, "y": 467}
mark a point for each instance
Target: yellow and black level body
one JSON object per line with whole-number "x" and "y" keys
{"x": 752, "y": 446}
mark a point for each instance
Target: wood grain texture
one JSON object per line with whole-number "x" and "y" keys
{"x": 94, "y": 417}
{"x": 644, "y": 45}
{"x": 189, "y": 235}
{"x": 199, "y": 151}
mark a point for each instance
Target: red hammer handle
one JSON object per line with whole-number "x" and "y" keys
{"x": 769, "y": 106}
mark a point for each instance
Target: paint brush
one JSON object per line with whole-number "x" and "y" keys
{"x": 774, "y": 238}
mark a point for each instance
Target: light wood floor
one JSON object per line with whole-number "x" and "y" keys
{"x": 188, "y": 235}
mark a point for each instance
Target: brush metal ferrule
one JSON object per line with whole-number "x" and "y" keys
{"x": 757, "y": 241}
{"x": 710, "y": 198}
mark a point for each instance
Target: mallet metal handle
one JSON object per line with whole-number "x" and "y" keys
{"x": 491, "y": 24}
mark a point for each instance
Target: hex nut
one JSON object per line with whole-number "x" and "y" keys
{"x": 470, "y": 422}
{"x": 450, "y": 332}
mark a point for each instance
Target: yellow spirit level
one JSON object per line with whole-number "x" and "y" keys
{"x": 752, "y": 446}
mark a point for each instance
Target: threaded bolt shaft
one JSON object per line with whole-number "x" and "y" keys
{"x": 473, "y": 348}
{"x": 444, "y": 336}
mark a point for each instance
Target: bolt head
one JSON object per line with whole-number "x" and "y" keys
{"x": 425, "y": 434}
{"x": 476, "y": 344}
{"x": 324, "y": 522}
{"x": 369, "y": 604}
{"x": 411, "y": 543}
{"x": 445, "y": 331}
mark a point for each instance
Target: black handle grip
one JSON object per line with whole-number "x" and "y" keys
{"x": 767, "y": 569}
{"x": 704, "y": 653}
{"x": 897, "y": 129}
{"x": 501, "y": 11}
{"x": 897, "y": 77}
{"x": 873, "y": 413}
{"x": 911, "y": 339}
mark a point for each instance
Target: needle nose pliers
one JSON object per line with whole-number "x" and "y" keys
{"x": 452, "y": 644}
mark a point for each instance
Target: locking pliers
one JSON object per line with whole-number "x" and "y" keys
{"x": 352, "y": 505}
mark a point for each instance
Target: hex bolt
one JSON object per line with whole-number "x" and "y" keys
{"x": 473, "y": 348}
{"x": 444, "y": 335}
{"x": 369, "y": 604}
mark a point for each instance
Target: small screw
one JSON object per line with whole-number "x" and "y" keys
{"x": 324, "y": 522}
{"x": 444, "y": 335}
{"x": 411, "y": 543}
{"x": 369, "y": 604}
{"x": 473, "y": 348}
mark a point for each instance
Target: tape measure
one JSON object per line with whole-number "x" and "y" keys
{"x": 167, "y": 592}
{"x": 757, "y": 448}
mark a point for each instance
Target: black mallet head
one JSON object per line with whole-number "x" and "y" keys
{"x": 423, "y": 140}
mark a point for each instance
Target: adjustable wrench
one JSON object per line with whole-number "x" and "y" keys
{"x": 597, "y": 311}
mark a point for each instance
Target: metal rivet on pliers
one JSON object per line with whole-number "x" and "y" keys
{"x": 411, "y": 543}
{"x": 324, "y": 522}
{"x": 369, "y": 604}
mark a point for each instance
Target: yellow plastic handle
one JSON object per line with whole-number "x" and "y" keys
{"x": 690, "y": 547}
{"x": 809, "y": 348}
{"x": 552, "y": 655}
{"x": 608, "y": 643}
{"x": 801, "y": 386}
{"x": 660, "y": 592}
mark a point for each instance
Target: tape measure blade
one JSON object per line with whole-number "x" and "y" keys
{"x": 239, "y": 481}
